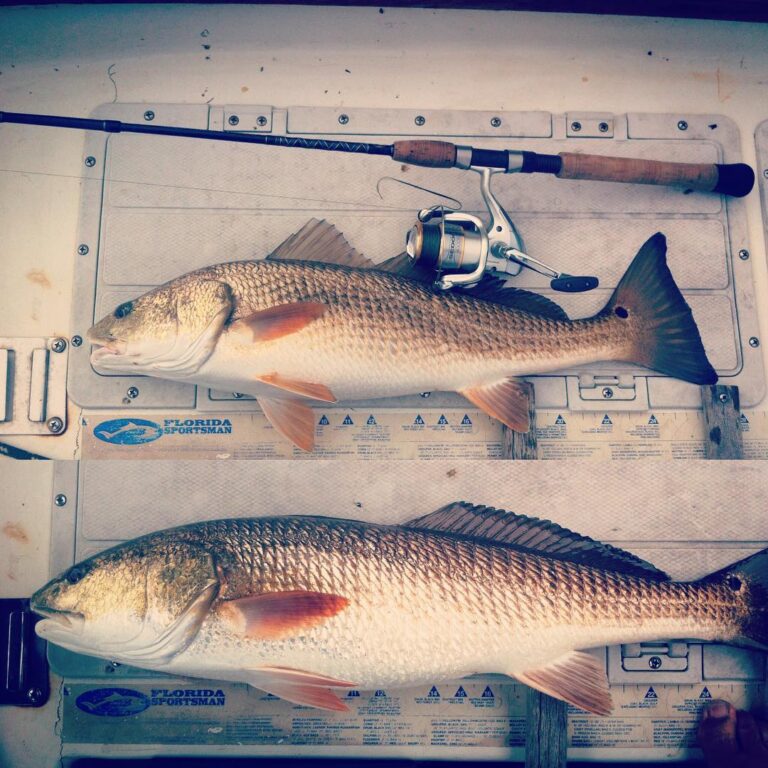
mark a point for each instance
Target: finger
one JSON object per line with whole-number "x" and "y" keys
{"x": 749, "y": 735}
{"x": 717, "y": 733}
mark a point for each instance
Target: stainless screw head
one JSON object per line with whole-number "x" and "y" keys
{"x": 55, "y": 425}
{"x": 261, "y": 120}
{"x": 424, "y": 394}
{"x": 654, "y": 662}
{"x": 576, "y": 126}
{"x": 495, "y": 122}
{"x": 149, "y": 115}
{"x": 765, "y": 173}
{"x": 132, "y": 392}
{"x": 682, "y": 125}
{"x": 34, "y": 695}
{"x": 420, "y": 120}
{"x": 237, "y": 395}
{"x": 343, "y": 119}
{"x": 90, "y": 161}
{"x": 743, "y": 254}
{"x": 83, "y": 249}
{"x": 233, "y": 120}
{"x": 723, "y": 397}
{"x": 754, "y": 341}
{"x": 607, "y": 393}
{"x": 603, "y": 127}
{"x": 58, "y": 345}
{"x": 60, "y": 500}
{"x": 76, "y": 341}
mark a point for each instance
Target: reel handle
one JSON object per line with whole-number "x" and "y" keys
{"x": 736, "y": 179}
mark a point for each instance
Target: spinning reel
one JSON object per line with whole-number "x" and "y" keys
{"x": 461, "y": 248}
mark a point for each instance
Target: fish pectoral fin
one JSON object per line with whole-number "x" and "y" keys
{"x": 577, "y": 678}
{"x": 275, "y": 615}
{"x": 304, "y": 388}
{"x": 282, "y": 320}
{"x": 292, "y": 418}
{"x": 508, "y": 401}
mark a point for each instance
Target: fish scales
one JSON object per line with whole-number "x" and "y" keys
{"x": 270, "y": 601}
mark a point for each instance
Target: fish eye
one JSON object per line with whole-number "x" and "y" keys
{"x": 124, "y": 309}
{"x": 74, "y": 575}
{"x": 734, "y": 583}
{"x": 622, "y": 312}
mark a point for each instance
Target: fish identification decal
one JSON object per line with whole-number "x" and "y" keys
{"x": 112, "y": 702}
{"x": 128, "y": 431}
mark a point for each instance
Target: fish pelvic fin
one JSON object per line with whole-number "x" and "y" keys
{"x": 509, "y": 400}
{"x": 746, "y": 582}
{"x": 292, "y": 418}
{"x": 577, "y": 678}
{"x": 659, "y": 323}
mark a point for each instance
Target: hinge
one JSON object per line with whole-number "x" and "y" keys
{"x": 24, "y": 671}
{"x": 33, "y": 386}
{"x": 675, "y": 661}
{"x": 589, "y": 125}
{"x": 607, "y": 388}
{"x": 251, "y": 118}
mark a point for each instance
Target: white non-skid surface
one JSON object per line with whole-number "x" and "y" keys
{"x": 68, "y": 60}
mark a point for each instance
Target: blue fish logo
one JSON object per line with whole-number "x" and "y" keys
{"x": 112, "y": 702}
{"x": 128, "y": 431}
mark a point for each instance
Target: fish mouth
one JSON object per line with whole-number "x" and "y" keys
{"x": 69, "y": 622}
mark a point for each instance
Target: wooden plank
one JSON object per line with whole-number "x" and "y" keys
{"x": 723, "y": 439}
{"x": 546, "y": 741}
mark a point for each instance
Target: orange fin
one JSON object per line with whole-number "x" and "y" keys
{"x": 319, "y": 241}
{"x": 293, "y": 419}
{"x": 507, "y": 401}
{"x": 295, "y": 686}
{"x": 275, "y": 615}
{"x": 304, "y": 388}
{"x": 282, "y": 320}
{"x": 577, "y": 678}
{"x": 303, "y": 677}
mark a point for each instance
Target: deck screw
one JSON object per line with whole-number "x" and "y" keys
{"x": 261, "y": 120}
{"x": 90, "y": 161}
{"x": 765, "y": 173}
{"x": 233, "y": 120}
{"x": 55, "y": 425}
{"x": 237, "y": 395}
{"x": 754, "y": 341}
{"x": 576, "y": 126}
{"x": 343, "y": 119}
{"x": 424, "y": 394}
{"x": 743, "y": 254}
{"x": 60, "y": 500}
{"x": 654, "y": 662}
{"x": 495, "y": 122}
{"x": 77, "y": 341}
{"x": 83, "y": 249}
{"x": 420, "y": 120}
{"x": 34, "y": 695}
{"x": 607, "y": 393}
{"x": 132, "y": 392}
{"x": 723, "y": 397}
{"x": 682, "y": 125}
{"x": 58, "y": 345}
{"x": 149, "y": 115}
{"x": 603, "y": 127}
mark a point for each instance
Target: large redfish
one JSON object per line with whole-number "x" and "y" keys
{"x": 300, "y": 605}
{"x": 293, "y": 328}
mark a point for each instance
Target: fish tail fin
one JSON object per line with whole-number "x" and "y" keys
{"x": 660, "y": 324}
{"x": 747, "y": 580}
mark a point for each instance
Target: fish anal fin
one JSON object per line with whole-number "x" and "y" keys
{"x": 506, "y": 400}
{"x": 292, "y": 418}
{"x": 577, "y": 678}
{"x": 275, "y": 615}
{"x": 319, "y": 241}
{"x": 496, "y": 526}
{"x": 304, "y": 388}
{"x": 282, "y": 320}
{"x": 304, "y": 695}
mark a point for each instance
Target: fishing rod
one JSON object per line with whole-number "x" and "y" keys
{"x": 459, "y": 246}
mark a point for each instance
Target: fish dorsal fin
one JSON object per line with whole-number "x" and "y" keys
{"x": 577, "y": 678}
{"x": 492, "y": 289}
{"x": 405, "y": 266}
{"x": 320, "y": 241}
{"x": 541, "y": 536}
